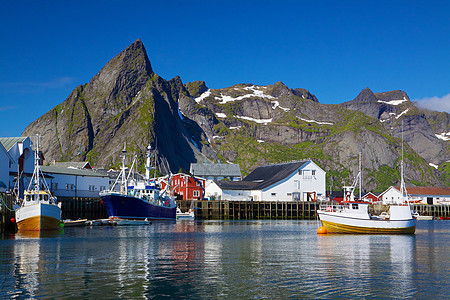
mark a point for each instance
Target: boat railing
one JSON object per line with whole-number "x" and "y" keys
{"x": 334, "y": 207}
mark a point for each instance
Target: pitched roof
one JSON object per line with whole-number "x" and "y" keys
{"x": 222, "y": 170}
{"x": 236, "y": 185}
{"x": 432, "y": 191}
{"x": 9, "y": 142}
{"x": 73, "y": 164}
{"x": 263, "y": 177}
{"x": 70, "y": 171}
{"x": 2, "y": 148}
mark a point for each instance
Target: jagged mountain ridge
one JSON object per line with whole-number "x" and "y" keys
{"x": 268, "y": 120}
{"x": 247, "y": 124}
{"x": 394, "y": 108}
{"x": 125, "y": 102}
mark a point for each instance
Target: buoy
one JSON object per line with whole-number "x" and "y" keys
{"x": 321, "y": 230}
{"x": 13, "y": 220}
{"x": 61, "y": 224}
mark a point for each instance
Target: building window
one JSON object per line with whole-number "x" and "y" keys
{"x": 67, "y": 186}
{"x": 289, "y": 194}
{"x": 196, "y": 194}
{"x": 299, "y": 172}
{"x": 313, "y": 172}
{"x": 274, "y": 194}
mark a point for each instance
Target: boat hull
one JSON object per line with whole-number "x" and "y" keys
{"x": 39, "y": 216}
{"x": 132, "y": 208}
{"x": 340, "y": 224}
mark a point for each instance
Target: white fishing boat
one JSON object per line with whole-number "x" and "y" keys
{"x": 353, "y": 216}
{"x": 188, "y": 215}
{"x": 39, "y": 209}
{"x": 420, "y": 217}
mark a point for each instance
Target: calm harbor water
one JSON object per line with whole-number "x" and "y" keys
{"x": 226, "y": 259}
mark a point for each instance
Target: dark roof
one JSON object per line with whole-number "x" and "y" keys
{"x": 70, "y": 171}
{"x": 263, "y": 177}
{"x": 9, "y": 142}
{"x": 73, "y": 164}
{"x": 236, "y": 185}
{"x": 268, "y": 175}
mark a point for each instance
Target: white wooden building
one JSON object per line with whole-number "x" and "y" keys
{"x": 72, "y": 182}
{"x": 295, "y": 181}
{"x": 423, "y": 195}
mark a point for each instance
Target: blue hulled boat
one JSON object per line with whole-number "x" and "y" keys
{"x": 138, "y": 200}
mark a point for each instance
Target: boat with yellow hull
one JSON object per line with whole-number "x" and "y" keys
{"x": 38, "y": 216}
{"x": 354, "y": 218}
{"x": 39, "y": 209}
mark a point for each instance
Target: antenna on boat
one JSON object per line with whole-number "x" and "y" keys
{"x": 402, "y": 182}
{"x": 360, "y": 173}
{"x": 35, "y": 177}
{"x": 124, "y": 177}
{"x": 148, "y": 166}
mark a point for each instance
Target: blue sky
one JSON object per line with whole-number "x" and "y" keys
{"x": 334, "y": 49}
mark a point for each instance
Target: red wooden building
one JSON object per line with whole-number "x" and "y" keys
{"x": 185, "y": 187}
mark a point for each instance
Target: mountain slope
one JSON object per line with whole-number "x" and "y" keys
{"x": 246, "y": 124}
{"x": 125, "y": 102}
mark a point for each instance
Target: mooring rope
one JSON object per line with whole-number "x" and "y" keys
{"x": 4, "y": 203}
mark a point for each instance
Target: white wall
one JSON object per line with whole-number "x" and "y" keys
{"x": 236, "y": 195}
{"x": 212, "y": 190}
{"x": 66, "y": 185}
{"x": 17, "y": 150}
{"x": 392, "y": 196}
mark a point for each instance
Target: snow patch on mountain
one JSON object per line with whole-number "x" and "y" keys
{"x": 394, "y": 102}
{"x": 259, "y": 121}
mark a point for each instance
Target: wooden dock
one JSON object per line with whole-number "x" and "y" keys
{"x": 6, "y": 211}
{"x": 82, "y": 208}
{"x": 93, "y": 208}
{"x": 298, "y": 210}
{"x": 250, "y": 210}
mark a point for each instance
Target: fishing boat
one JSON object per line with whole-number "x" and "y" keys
{"x": 39, "y": 209}
{"x": 188, "y": 215}
{"x": 354, "y": 217}
{"x": 138, "y": 200}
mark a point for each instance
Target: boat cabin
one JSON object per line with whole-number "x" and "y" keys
{"x": 35, "y": 197}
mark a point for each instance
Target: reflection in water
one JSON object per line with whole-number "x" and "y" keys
{"x": 232, "y": 259}
{"x": 360, "y": 258}
{"x": 29, "y": 262}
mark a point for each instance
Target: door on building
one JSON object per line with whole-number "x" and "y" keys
{"x": 430, "y": 200}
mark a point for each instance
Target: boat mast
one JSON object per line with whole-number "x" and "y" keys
{"x": 123, "y": 184}
{"x": 360, "y": 174}
{"x": 148, "y": 166}
{"x": 402, "y": 183}
{"x": 36, "y": 167}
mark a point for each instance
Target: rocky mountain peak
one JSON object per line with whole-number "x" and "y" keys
{"x": 196, "y": 88}
{"x": 365, "y": 96}
{"x": 392, "y": 95}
